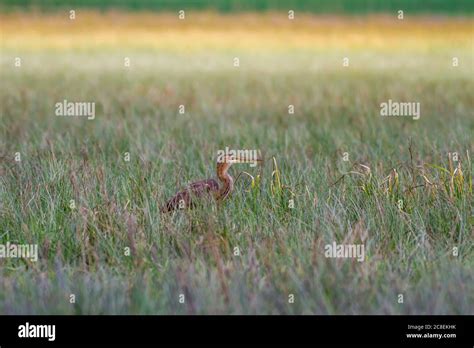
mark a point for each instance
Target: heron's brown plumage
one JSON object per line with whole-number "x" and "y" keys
{"x": 203, "y": 188}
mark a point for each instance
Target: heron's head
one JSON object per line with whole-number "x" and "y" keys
{"x": 227, "y": 160}
{"x": 231, "y": 159}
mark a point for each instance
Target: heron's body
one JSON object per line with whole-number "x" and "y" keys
{"x": 205, "y": 188}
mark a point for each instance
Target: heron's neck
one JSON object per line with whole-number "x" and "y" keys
{"x": 227, "y": 183}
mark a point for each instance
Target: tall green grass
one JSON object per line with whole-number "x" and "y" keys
{"x": 82, "y": 250}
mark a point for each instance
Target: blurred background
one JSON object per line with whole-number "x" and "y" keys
{"x": 314, "y": 6}
{"x": 335, "y": 63}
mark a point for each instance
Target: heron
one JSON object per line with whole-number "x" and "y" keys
{"x": 208, "y": 187}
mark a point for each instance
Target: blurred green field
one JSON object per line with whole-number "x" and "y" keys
{"x": 337, "y": 110}
{"x": 226, "y": 6}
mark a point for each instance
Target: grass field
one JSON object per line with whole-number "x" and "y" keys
{"x": 410, "y": 246}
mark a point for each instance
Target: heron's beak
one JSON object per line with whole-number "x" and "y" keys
{"x": 246, "y": 160}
